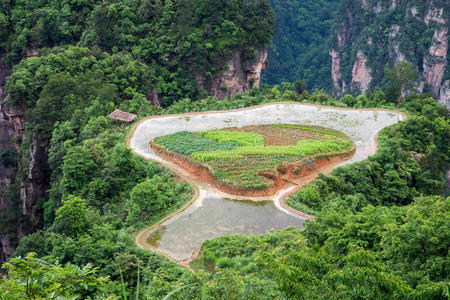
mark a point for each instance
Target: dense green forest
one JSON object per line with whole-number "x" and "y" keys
{"x": 178, "y": 40}
{"x": 300, "y": 45}
{"x": 367, "y": 214}
{"x": 380, "y": 229}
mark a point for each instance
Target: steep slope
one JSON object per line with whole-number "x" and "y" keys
{"x": 371, "y": 34}
{"x": 299, "y": 48}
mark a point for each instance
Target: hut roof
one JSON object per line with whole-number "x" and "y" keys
{"x": 122, "y": 116}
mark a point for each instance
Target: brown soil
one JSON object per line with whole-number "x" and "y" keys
{"x": 283, "y": 136}
{"x": 286, "y": 174}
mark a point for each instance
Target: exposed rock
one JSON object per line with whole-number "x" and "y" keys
{"x": 7, "y": 132}
{"x": 392, "y": 4}
{"x": 237, "y": 78}
{"x": 335, "y": 71}
{"x": 7, "y": 247}
{"x": 394, "y": 47}
{"x": 418, "y": 157}
{"x": 378, "y": 8}
{"x": 434, "y": 14}
{"x": 343, "y": 35}
{"x": 364, "y": 4}
{"x": 391, "y": 48}
{"x": 444, "y": 94}
{"x": 33, "y": 184}
{"x": 31, "y": 52}
{"x": 361, "y": 77}
{"x": 435, "y": 64}
{"x": 36, "y": 184}
{"x": 152, "y": 97}
{"x": 413, "y": 10}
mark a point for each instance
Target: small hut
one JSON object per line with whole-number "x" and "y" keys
{"x": 122, "y": 116}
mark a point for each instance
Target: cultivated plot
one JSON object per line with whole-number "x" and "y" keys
{"x": 212, "y": 213}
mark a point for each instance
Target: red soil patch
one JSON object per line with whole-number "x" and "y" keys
{"x": 285, "y": 174}
{"x": 283, "y": 136}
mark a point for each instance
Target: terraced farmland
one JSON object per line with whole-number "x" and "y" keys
{"x": 254, "y": 157}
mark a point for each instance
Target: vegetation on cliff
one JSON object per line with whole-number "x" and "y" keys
{"x": 180, "y": 41}
{"x": 383, "y": 33}
{"x": 380, "y": 228}
{"x": 300, "y": 44}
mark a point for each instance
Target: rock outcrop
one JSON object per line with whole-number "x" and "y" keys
{"x": 8, "y": 127}
{"x": 444, "y": 94}
{"x": 28, "y": 175}
{"x": 394, "y": 45}
{"x": 366, "y": 42}
{"x": 239, "y": 77}
{"x": 336, "y": 74}
{"x": 435, "y": 63}
{"x": 361, "y": 77}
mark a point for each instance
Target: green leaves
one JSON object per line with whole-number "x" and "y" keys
{"x": 34, "y": 278}
{"x": 154, "y": 196}
{"x": 72, "y": 217}
{"x": 419, "y": 245}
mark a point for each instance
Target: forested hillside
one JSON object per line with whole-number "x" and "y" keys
{"x": 73, "y": 196}
{"x": 300, "y": 45}
{"x": 367, "y": 214}
{"x": 181, "y": 41}
{"x": 66, "y": 56}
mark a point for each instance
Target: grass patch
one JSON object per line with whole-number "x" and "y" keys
{"x": 300, "y": 206}
{"x": 241, "y": 138}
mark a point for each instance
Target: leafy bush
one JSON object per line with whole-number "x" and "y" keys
{"x": 153, "y": 196}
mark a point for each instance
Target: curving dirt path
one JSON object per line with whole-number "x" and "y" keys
{"x": 361, "y": 125}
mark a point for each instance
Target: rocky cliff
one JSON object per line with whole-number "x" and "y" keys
{"x": 9, "y": 125}
{"x": 372, "y": 34}
{"x": 22, "y": 181}
{"x": 239, "y": 76}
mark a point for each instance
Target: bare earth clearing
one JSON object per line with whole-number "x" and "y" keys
{"x": 209, "y": 214}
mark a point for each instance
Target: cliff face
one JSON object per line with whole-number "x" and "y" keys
{"x": 239, "y": 77}
{"x": 27, "y": 175}
{"x": 8, "y": 126}
{"x": 361, "y": 77}
{"x": 374, "y": 33}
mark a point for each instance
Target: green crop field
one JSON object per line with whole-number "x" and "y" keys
{"x": 302, "y": 149}
{"x": 240, "y": 158}
{"x": 187, "y": 143}
{"x": 241, "y": 138}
